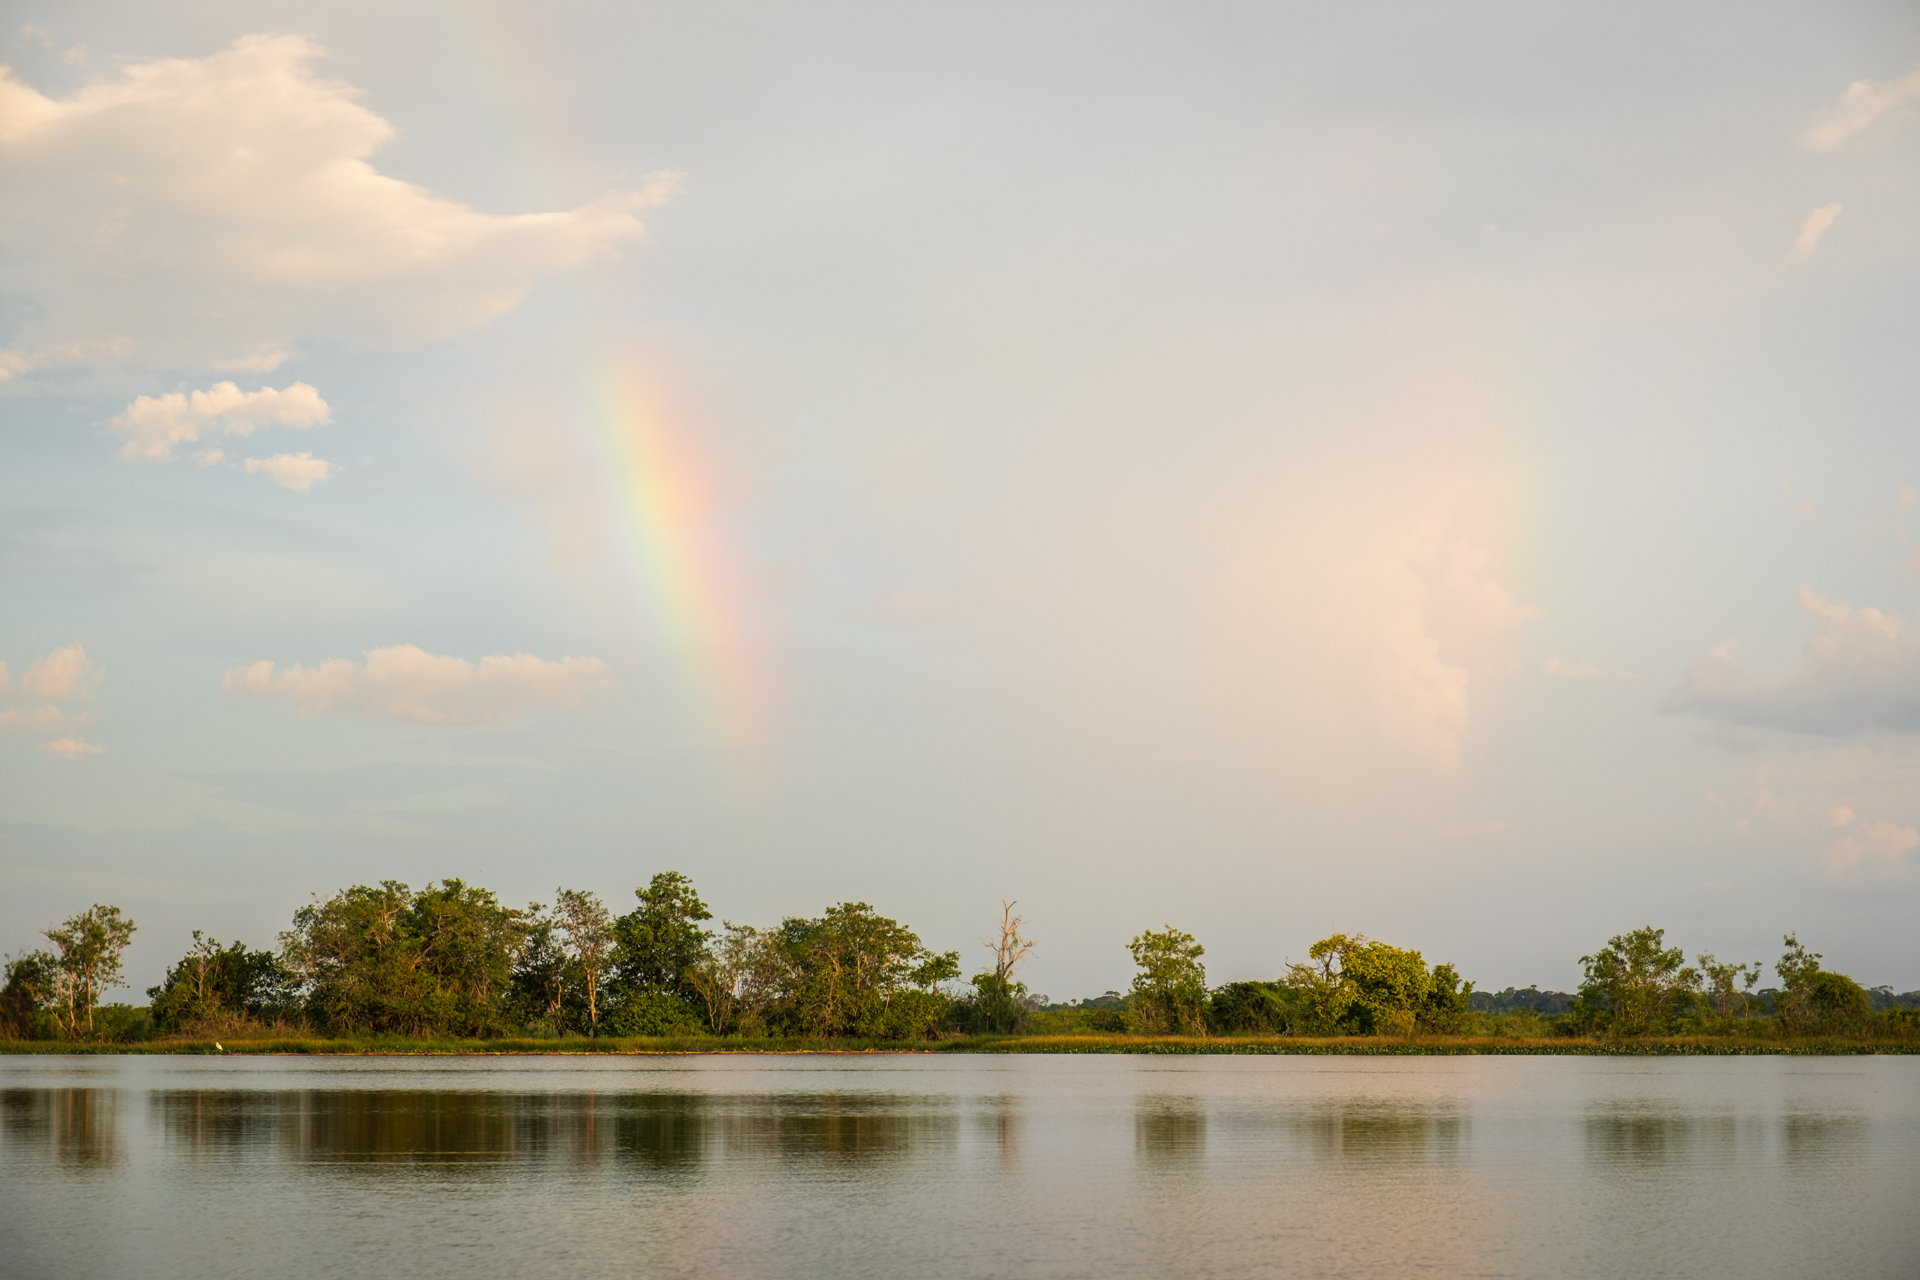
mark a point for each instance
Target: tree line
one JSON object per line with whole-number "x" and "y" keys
{"x": 452, "y": 960}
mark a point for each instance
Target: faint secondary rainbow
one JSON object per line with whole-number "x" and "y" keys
{"x": 670, "y": 508}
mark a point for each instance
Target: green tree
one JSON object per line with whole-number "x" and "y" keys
{"x": 1813, "y": 999}
{"x": 1257, "y": 1008}
{"x": 216, "y": 986}
{"x": 854, "y": 972}
{"x": 661, "y": 939}
{"x": 1353, "y": 986}
{"x": 1170, "y": 989}
{"x": 1449, "y": 1000}
{"x": 385, "y": 959}
{"x": 589, "y": 942}
{"x": 33, "y": 982}
{"x": 1636, "y": 986}
{"x": 544, "y": 993}
{"x": 1728, "y": 987}
{"x": 86, "y": 956}
{"x": 733, "y": 981}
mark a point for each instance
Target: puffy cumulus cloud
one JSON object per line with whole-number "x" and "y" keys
{"x": 65, "y": 673}
{"x": 1816, "y": 225}
{"x": 62, "y": 675}
{"x": 1861, "y": 675}
{"x": 1879, "y": 845}
{"x": 1863, "y": 103}
{"x": 210, "y": 212}
{"x": 155, "y": 424}
{"x": 296, "y": 471}
{"x": 404, "y": 682}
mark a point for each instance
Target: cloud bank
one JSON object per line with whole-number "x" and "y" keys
{"x": 406, "y": 683}
{"x": 155, "y": 424}
{"x": 210, "y": 212}
{"x": 1861, "y": 675}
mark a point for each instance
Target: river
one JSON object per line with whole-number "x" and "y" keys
{"x": 959, "y": 1166}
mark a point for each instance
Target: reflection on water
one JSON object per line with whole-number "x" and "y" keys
{"x": 78, "y": 1128}
{"x": 1658, "y": 1137}
{"x": 1816, "y": 1140}
{"x": 1169, "y": 1128}
{"x": 1383, "y": 1131}
{"x": 664, "y": 1130}
{"x": 913, "y": 1166}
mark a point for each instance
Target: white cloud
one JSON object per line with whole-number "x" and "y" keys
{"x": 296, "y": 471}
{"x": 1420, "y": 700}
{"x": 1487, "y": 602}
{"x": 1861, "y": 675}
{"x": 157, "y": 423}
{"x": 62, "y": 674}
{"x": 1812, "y": 229}
{"x": 1861, "y": 105}
{"x": 41, "y": 719}
{"x": 404, "y": 682}
{"x": 72, "y": 748}
{"x": 210, "y": 457}
{"x": 1839, "y": 816}
{"x": 1878, "y": 845}
{"x": 213, "y": 211}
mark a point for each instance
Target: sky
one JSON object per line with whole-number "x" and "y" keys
{"x": 1446, "y": 472}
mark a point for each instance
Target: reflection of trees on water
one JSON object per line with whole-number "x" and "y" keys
{"x": 1653, "y": 1135}
{"x": 1382, "y": 1130}
{"x": 656, "y": 1130}
{"x": 1648, "y": 1136}
{"x": 1821, "y": 1140}
{"x": 1168, "y": 1127}
{"x": 1001, "y": 1123}
{"x": 78, "y": 1128}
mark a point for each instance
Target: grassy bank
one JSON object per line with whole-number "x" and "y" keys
{"x": 1357, "y": 1046}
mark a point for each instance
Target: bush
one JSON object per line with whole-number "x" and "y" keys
{"x": 653, "y": 1014}
{"x": 1253, "y": 1008}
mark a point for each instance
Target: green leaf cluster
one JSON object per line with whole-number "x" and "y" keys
{"x": 1352, "y": 986}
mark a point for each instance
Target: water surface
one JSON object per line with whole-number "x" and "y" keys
{"x": 961, "y": 1166}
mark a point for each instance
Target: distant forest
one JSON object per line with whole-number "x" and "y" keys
{"x": 451, "y": 961}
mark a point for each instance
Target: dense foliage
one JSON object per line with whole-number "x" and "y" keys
{"x": 450, "y": 960}
{"x": 1359, "y": 987}
{"x": 1170, "y": 990}
{"x": 216, "y": 988}
{"x": 387, "y": 959}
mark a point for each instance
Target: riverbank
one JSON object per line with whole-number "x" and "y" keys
{"x": 1357, "y": 1046}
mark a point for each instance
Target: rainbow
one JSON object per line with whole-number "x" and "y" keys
{"x": 656, "y": 494}
{"x": 671, "y": 516}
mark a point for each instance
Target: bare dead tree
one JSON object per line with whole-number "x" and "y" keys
{"x": 1010, "y": 951}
